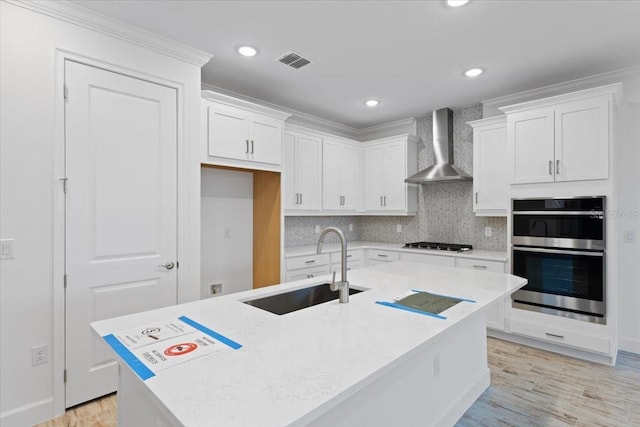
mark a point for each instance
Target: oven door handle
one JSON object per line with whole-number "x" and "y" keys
{"x": 597, "y": 214}
{"x": 558, "y": 251}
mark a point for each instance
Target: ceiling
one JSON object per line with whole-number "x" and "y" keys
{"x": 410, "y": 55}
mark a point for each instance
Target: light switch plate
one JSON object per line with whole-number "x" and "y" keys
{"x": 488, "y": 231}
{"x": 7, "y": 248}
{"x": 629, "y": 237}
{"x": 399, "y": 228}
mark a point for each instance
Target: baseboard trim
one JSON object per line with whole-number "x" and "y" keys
{"x": 28, "y": 415}
{"x": 631, "y": 345}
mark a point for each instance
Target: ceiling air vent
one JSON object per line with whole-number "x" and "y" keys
{"x": 294, "y": 60}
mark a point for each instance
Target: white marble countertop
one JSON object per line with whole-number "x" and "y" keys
{"x": 335, "y": 247}
{"x": 294, "y": 367}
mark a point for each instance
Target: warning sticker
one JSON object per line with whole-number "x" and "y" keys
{"x": 152, "y": 348}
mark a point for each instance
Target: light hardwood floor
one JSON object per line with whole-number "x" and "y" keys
{"x": 529, "y": 387}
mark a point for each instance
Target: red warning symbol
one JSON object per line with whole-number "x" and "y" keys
{"x": 181, "y": 349}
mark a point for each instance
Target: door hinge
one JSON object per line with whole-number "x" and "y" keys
{"x": 64, "y": 376}
{"x": 64, "y": 184}
{"x": 65, "y": 281}
{"x": 65, "y": 93}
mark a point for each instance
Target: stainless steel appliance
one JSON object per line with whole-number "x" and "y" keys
{"x": 558, "y": 245}
{"x": 451, "y": 247}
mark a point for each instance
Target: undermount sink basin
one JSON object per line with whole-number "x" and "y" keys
{"x": 287, "y": 302}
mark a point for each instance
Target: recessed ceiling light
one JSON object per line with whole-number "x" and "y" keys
{"x": 473, "y": 72}
{"x": 371, "y": 102}
{"x": 457, "y": 3}
{"x": 247, "y": 51}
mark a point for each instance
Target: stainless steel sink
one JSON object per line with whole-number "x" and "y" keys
{"x": 287, "y": 302}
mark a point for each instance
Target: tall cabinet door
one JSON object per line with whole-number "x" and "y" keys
{"x": 291, "y": 197}
{"x": 332, "y": 175}
{"x": 309, "y": 171}
{"x": 582, "y": 140}
{"x": 489, "y": 176}
{"x": 350, "y": 165}
{"x": 394, "y": 176}
{"x": 531, "y": 148}
{"x": 374, "y": 177}
{"x": 120, "y": 213}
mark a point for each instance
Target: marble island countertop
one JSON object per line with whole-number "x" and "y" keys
{"x": 294, "y": 367}
{"x": 335, "y": 247}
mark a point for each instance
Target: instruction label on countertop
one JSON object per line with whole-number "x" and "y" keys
{"x": 151, "y": 348}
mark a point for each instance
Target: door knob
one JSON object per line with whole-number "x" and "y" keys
{"x": 168, "y": 265}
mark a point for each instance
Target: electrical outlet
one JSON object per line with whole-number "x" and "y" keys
{"x": 317, "y": 229}
{"x": 488, "y": 231}
{"x": 399, "y": 228}
{"x": 39, "y": 355}
{"x": 350, "y": 227}
{"x": 227, "y": 233}
{"x": 629, "y": 237}
{"x": 7, "y": 248}
{"x": 436, "y": 365}
{"x": 215, "y": 289}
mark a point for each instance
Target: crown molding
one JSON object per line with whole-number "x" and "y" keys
{"x": 399, "y": 127}
{"x": 563, "y": 88}
{"x": 490, "y": 121}
{"x": 225, "y": 99}
{"x": 100, "y": 23}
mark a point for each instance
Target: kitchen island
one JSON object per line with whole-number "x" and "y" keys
{"x": 359, "y": 363}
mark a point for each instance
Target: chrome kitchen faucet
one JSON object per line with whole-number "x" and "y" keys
{"x": 343, "y": 284}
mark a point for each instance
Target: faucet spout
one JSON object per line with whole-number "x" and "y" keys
{"x": 343, "y": 285}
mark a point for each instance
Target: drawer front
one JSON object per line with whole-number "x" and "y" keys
{"x": 429, "y": 259}
{"x": 384, "y": 256}
{"x": 559, "y": 336}
{"x": 307, "y": 273}
{"x": 352, "y": 255}
{"x": 351, "y": 265}
{"x": 478, "y": 264}
{"x": 295, "y": 263}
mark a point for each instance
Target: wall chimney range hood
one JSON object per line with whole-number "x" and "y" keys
{"x": 443, "y": 170}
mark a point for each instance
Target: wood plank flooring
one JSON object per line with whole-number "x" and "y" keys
{"x": 529, "y": 387}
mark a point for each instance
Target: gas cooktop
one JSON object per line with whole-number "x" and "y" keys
{"x": 451, "y": 247}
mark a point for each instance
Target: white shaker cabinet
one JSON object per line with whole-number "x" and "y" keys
{"x": 490, "y": 175}
{"x": 302, "y": 172}
{"x": 340, "y": 176}
{"x": 242, "y": 134}
{"x": 387, "y": 163}
{"x": 562, "y": 138}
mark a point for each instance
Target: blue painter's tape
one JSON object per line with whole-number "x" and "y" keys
{"x": 234, "y": 345}
{"x": 134, "y": 363}
{"x": 448, "y": 296}
{"x": 413, "y": 310}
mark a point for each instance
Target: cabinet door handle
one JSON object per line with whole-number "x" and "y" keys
{"x": 252, "y": 146}
{"x": 310, "y": 262}
{"x": 349, "y": 256}
{"x": 385, "y": 200}
{"x": 310, "y": 275}
{"x": 383, "y": 256}
{"x": 247, "y": 150}
{"x": 557, "y": 167}
{"x": 550, "y": 167}
{"x": 476, "y": 197}
{"x": 300, "y": 198}
{"x": 554, "y": 335}
{"x": 483, "y": 267}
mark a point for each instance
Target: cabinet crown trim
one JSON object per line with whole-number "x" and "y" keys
{"x": 221, "y": 98}
{"x": 614, "y": 90}
{"x": 497, "y": 120}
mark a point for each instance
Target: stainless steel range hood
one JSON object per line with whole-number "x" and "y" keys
{"x": 443, "y": 170}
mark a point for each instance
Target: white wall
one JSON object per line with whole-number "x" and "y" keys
{"x": 31, "y": 201}
{"x": 226, "y": 230}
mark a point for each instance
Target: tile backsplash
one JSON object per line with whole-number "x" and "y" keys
{"x": 445, "y": 210}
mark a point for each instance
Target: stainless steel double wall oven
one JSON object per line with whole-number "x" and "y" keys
{"x": 559, "y": 246}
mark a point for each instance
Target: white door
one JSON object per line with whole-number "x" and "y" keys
{"x": 395, "y": 189}
{"x": 309, "y": 171}
{"x": 331, "y": 175}
{"x": 121, "y": 219}
{"x": 228, "y": 132}
{"x": 489, "y": 177}
{"x": 350, "y": 177}
{"x": 265, "y": 136}
{"x": 531, "y": 141}
{"x": 374, "y": 178}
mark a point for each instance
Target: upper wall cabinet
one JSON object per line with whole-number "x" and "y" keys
{"x": 387, "y": 162}
{"x": 341, "y": 176}
{"x": 302, "y": 173}
{"x": 490, "y": 183}
{"x": 242, "y": 134}
{"x": 562, "y": 138}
